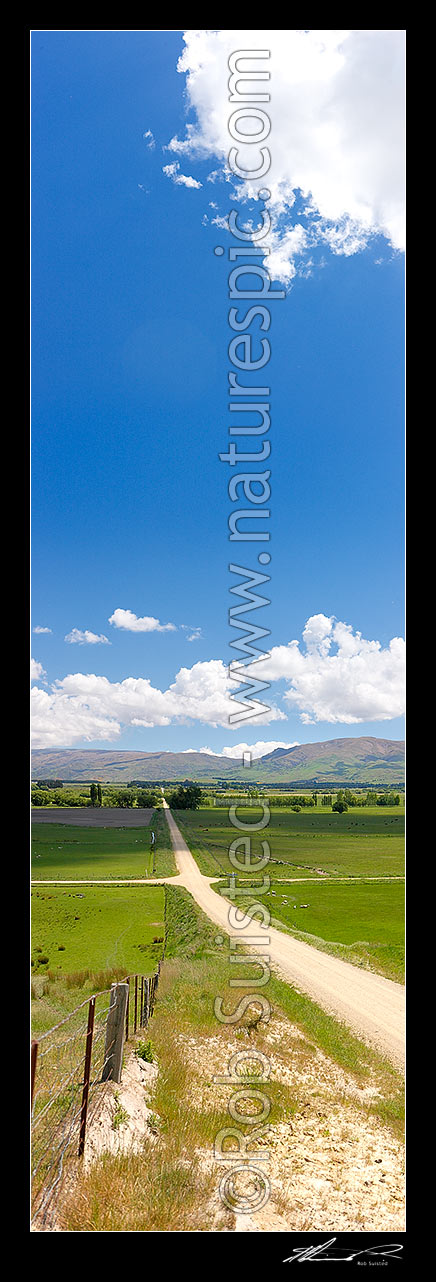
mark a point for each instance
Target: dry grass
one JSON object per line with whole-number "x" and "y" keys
{"x": 166, "y": 1188}
{"x": 323, "y": 1079}
{"x": 156, "y": 1192}
{"x": 172, "y": 1185}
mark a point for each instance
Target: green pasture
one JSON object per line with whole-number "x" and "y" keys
{"x": 362, "y": 921}
{"x": 352, "y": 844}
{"x": 96, "y": 927}
{"x": 63, "y": 851}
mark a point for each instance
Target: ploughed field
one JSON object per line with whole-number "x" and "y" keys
{"x": 91, "y": 816}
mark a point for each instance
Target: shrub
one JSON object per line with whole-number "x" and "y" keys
{"x": 121, "y": 1116}
{"x": 143, "y": 1050}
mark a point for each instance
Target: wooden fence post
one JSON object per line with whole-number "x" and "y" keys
{"x": 115, "y": 1029}
{"x": 127, "y": 1008}
{"x": 33, "y": 1058}
{"x": 86, "y": 1075}
{"x": 136, "y": 1005}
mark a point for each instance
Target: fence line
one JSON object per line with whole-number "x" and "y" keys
{"x": 70, "y": 1070}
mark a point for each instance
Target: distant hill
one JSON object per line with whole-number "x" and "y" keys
{"x": 348, "y": 761}
{"x": 362, "y": 760}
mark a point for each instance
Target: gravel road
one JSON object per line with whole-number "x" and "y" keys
{"x": 374, "y": 1007}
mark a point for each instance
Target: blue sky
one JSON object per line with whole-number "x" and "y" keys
{"x": 129, "y": 414}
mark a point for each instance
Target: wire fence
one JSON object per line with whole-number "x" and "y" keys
{"x": 71, "y": 1067}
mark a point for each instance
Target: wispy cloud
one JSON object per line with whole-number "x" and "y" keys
{"x": 76, "y": 637}
{"x": 195, "y": 634}
{"x": 40, "y": 631}
{"x": 149, "y": 140}
{"x": 183, "y": 180}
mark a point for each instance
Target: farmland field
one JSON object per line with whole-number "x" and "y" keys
{"x": 337, "y": 881}
{"x": 366, "y": 918}
{"x": 305, "y": 844}
{"x": 98, "y": 927}
{"x": 63, "y": 851}
{"x": 92, "y": 816}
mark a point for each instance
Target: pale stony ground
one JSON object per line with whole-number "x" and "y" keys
{"x": 332, "y": 1167}
{"x": 133, "y": 1095}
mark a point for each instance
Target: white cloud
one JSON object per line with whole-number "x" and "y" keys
{"x": 337, "y": 132}
{"x": 149, "y": 140}
{"x": 130, "y": 622}
{"x": 41, "y": 630}
{"x": 334, "y": 675}
{"x": 258, "y": 749}
{"x": 88, "y": 707}
{"x": 59, "y": 721}
{"x": 76, "y": 637}
{"x": 235, "y": 751}
{"x": 182, "y": 180}
{"x": 37, "y": 672}
{"x": 339, "y": 676}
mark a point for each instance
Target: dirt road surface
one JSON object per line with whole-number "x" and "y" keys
{"x": 371, "y": 1005}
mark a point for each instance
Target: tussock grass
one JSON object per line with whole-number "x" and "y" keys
{"x": 54, "y": 996}
{"x": 136, "y": 1193}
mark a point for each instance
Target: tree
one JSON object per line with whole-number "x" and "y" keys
{"x": 93, "y": 793}
{"x": 146, "y": 800}
{"x": 49, "y": 783}
{"x": 186, "y": 798}
{"x": 99, "y": 796}
{"x": 125, "y": 799}
{"x": 40, "y": 798}
{"x": 340, "y": 807}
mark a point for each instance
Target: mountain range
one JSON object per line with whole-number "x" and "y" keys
{"x": 349, "y": 761}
